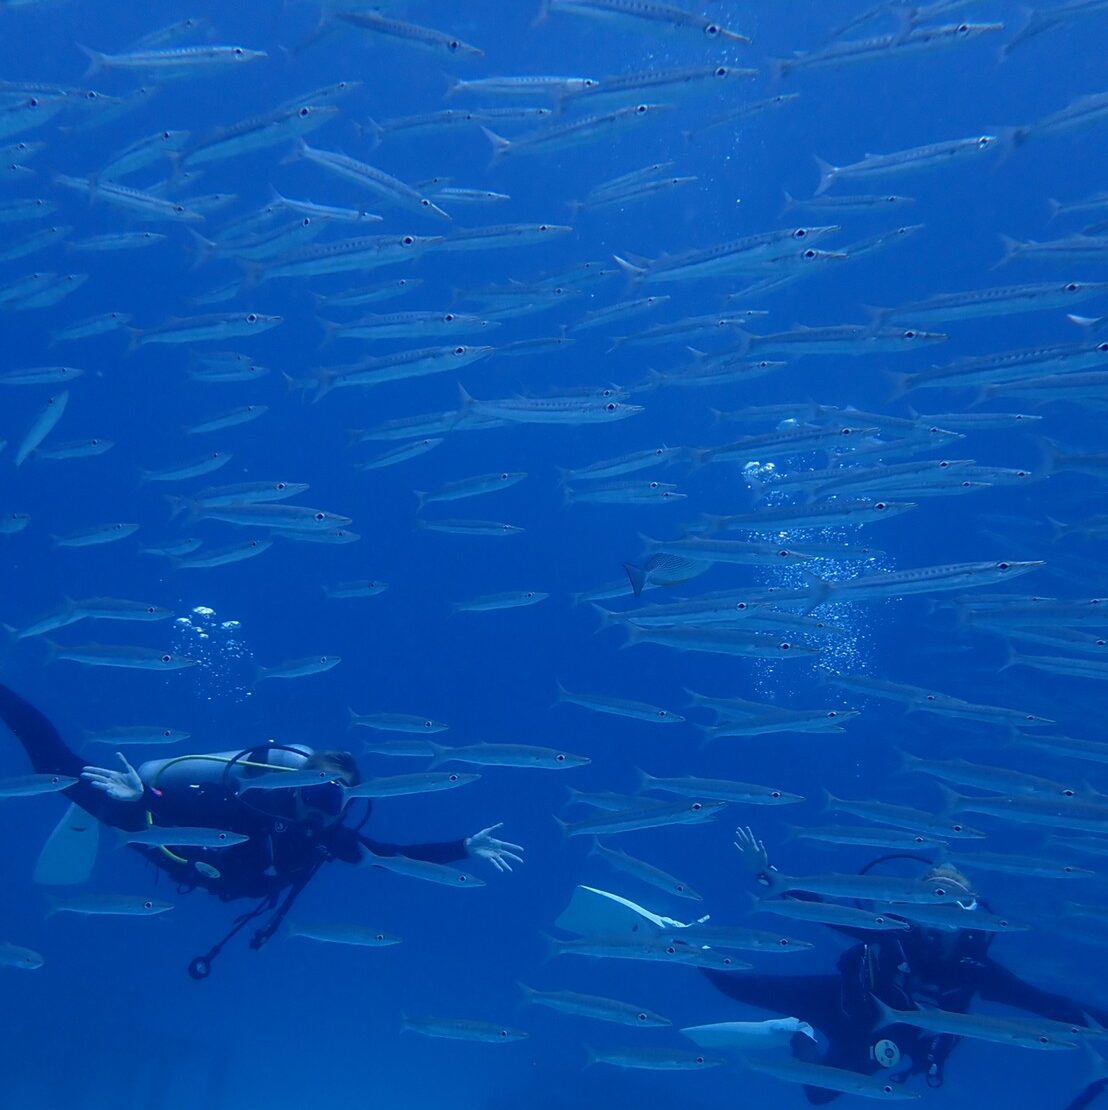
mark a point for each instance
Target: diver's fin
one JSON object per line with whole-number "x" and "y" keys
{"x": 68, "y": 855}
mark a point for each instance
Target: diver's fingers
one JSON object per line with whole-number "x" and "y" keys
{"x": 127, "y": 767}
{"x": 504, "y": 864}
{"x": 102, "y": 771}
{"x": 495, "y": 861}
{"x": 490, "y": 829}
{"x": 508, "y": 844}
{"x": 511, "y": 856}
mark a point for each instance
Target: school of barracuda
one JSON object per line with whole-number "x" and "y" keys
{"x": 762, "y": 536}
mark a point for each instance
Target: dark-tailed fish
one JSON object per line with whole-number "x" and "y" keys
{"x": 825, "y": 1078}
{"x": 42, "y": 425}
{"x": 29, "y": 786}
{"x": 101, "y": 534}
{"x": 12, "y": 955}
{"x": 620, "y": 707}
{"x": 137, "y": 734}
{"x": 116, "y": 655}
{"x": 397, "y": 722}
{"x": 508, "y": 755}
{"x": 592, "y": 1006}
{"x": 510, "y": 599}
{"x": 355, "y": 936}
{"x": 396, "y": 786}
{"x": 462, "y": 1029}
{"x": 653, "y": 1059}
{"x": 744, "y": 793}
{"x": 364, "y": 588}
{"x": 107, "y": 905}
{"x": 644, "y": 872}
{"x": 647, "y": 815}
{"x": 470, "y": 527}
{"x": 426, "y": 870}
{"x": 180, "y": 836}
{"x": 1024, "y": 1032}
{"x": 299, "y": 668}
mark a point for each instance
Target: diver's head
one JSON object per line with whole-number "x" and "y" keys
{"x": 324, "y": 804}
{"x": 955, "y": 881}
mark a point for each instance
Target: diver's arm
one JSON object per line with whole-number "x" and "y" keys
{"x": 481, "y": 845}
{"x": 1089, "y": 1095}
{"x": 753, "y": 853}
{"x": 996, "y": 983}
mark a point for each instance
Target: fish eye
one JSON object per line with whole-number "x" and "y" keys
{"x": 459, "y": 350}
{"x": 454, "y": 777}
{"x": 151, "y": 609}
{"x": 167, "y": 658}
{"x": 453, "y": 45}
{"x": 1044, "y": 1040}
{"x": 809, "y": 253}
{"x": 696, "y": 807}
{"x": 1102, "y": 347}
{"x": 909, "y": 334}
{"x": 462, "y": 878}
{"x": 641, "y": 108}
{"x": 167, "y": 733}
{"x": 800, "y": 233}
{"x": 530, "y": 594}
{"x": 879, "y": 920}
{"x": 957, "y": 828}
{"x": 641, "y": 1017}
{"x": 711, "y": 30}
{"x": 662, "y": 713}
{"x": 832, "y": 713}
{"x": 1004, "y": 566}
{"x": 304, "y": 113}
{"x": 775, "y": 793}
{"x": 221, "y": 836}
{"x": 148, "y": 905}
{"x": 449, "y": 318}
{"x": 1067, "y": 869}
{"x": 847, "y": 431}
{"x": 741, "y": 606}
{"x": 380, "y": 936}
{"x": 319, "y": 517}
{"x": 963, "y": 28}
{"x": 1071, "y": 287}
{"x": 33, "y": 102}
{"x": 544, "y": 227}
{"x": 179, "y": 209}
{"x": 671, "y": 949}
{"x": 887, "y": 1089}
{"x": 984, "y": 141}
{"x": 785, "y": 645}
{"x": 784, "y": 553}
{"x": 407, "y": 241}
{"x": 323, "y": 658}
{"x": 425, "y": 202}
{"x": 653, "y": 485}
{"x": 611, "y": 406}
{"x": 238, "y": 51}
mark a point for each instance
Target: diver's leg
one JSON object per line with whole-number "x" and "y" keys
{"x": 49, "y": 755}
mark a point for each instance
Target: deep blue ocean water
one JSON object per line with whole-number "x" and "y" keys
{"x": 111, "y": 1019}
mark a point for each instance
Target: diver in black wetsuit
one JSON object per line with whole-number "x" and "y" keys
{"x": 292, "y": 831}
{"x": 902, "y": 968}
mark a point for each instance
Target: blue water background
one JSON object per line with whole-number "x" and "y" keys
{"x": 111, "y": 1019}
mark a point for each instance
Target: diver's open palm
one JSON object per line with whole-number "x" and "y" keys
{"x": 124, "y": 786}
{"x": 484, "y": 845}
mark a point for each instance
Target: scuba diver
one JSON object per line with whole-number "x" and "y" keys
{"x": 937, "y": 969}
{"x": 281, "y": 836}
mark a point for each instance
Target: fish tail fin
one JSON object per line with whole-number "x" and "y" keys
{"x": 563, "y": 826}
{"x": 1010, "y": 139}
{"x": 1050, "y": 453}
{"x": 1012, "y": 248}
{"x": 467, "y": 402}
{"x": 1055, "y": 207}
{"x": 630, "y": 268}
{"x": 1059, "y": 529}
{"x": 562, "y": 691}
{"x": 550, "y": 947}
{"x": 887, "y": 1016}
{"x": 326, "y": 380}
{"x": 299, "y": 150}
{"x": 252, "y": 273}
{"x": 500, "y": 145}
{"x": 323, "y": 28}
{"x": 827, "y": 175}
{"x": 543, "y": 14}
{"x": 330, "y": 331}
{"x": 178, "y": 505}
{"x": 607, "y": 617}
{"x": 52, "y": 649}
{"x": 646, "y": 781}
{"x": 778, "y": 69}
{"x": 203, "y": 249}
{"x": 790, "y": 203}
{"x": 819, "y": 590}
{"x": 134, "y": 339}
{"x": 634, "y": 635}
{"x": 371, "y": 128}
{"x": 637, "y": 577}
{"x": 527, "y": 992}
{"x": 952, "y": 800}
{"x": 97, "y": 61}
{"x": 1011, "y": 657}
{"x": 421, "y": 499}
{"x": 441, "y": 754}
{"x": 901, "y": 384}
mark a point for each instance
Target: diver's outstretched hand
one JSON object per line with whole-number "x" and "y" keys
{"x": 752, "y": 852}
{"x": 124, "y": 786}
{"x": 483, "y": 845}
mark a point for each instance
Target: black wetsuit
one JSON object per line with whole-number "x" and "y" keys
{"x": 901, "y": 968}
{"x": 281, "y": 852}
